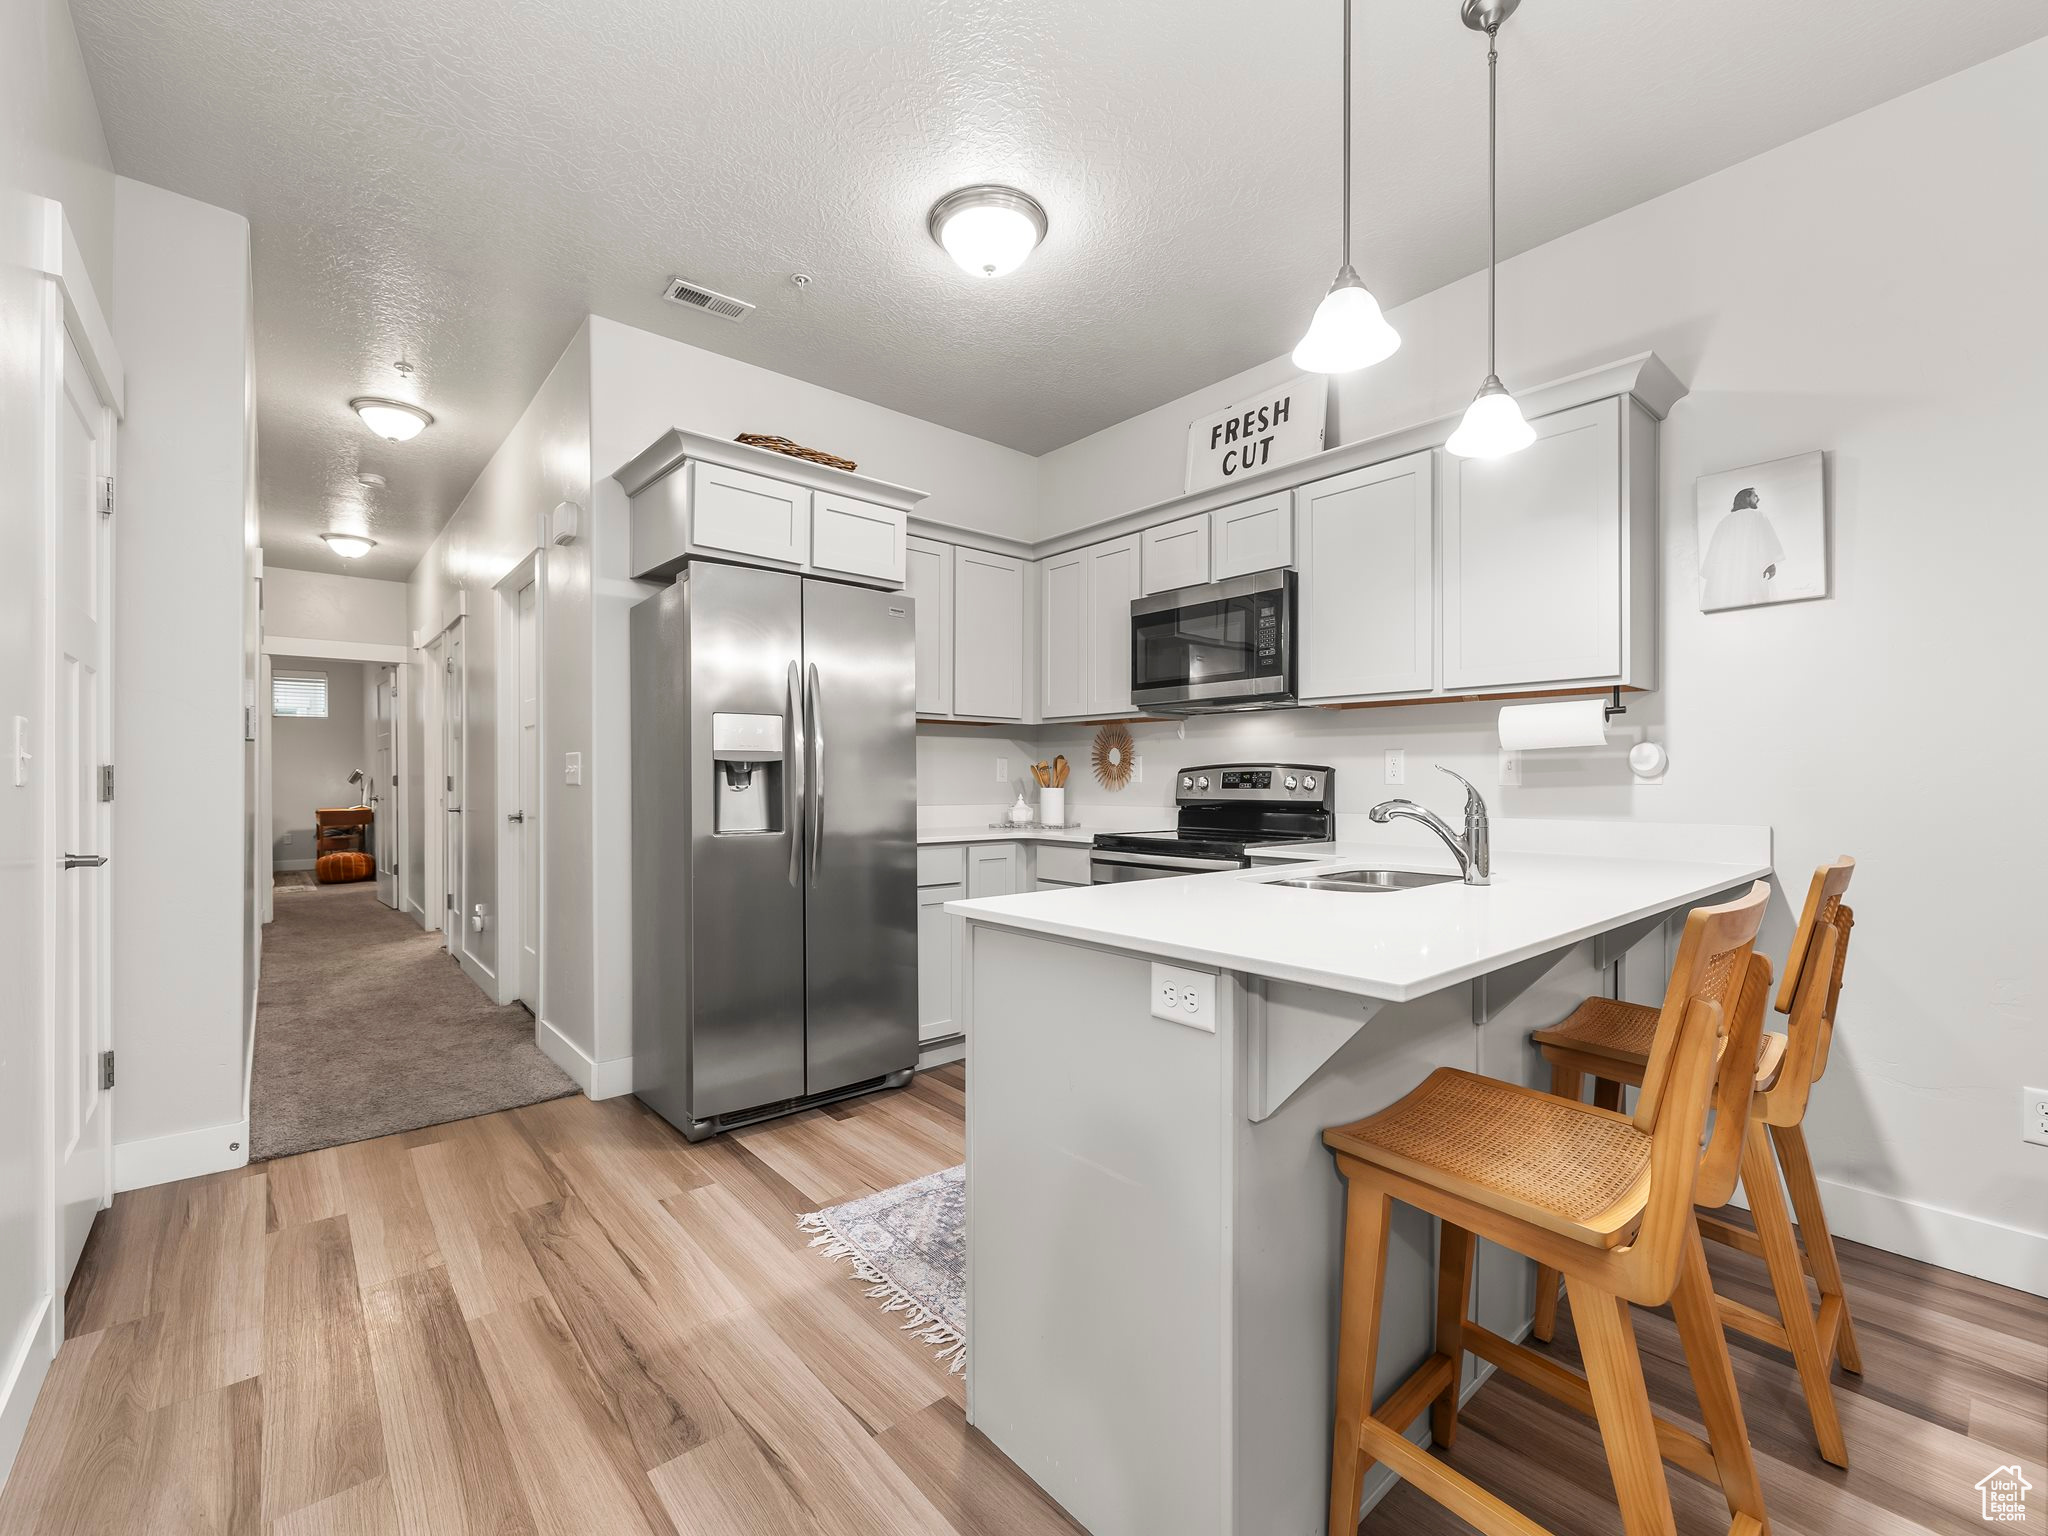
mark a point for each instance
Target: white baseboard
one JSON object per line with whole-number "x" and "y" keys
{"x": 929, "y": 1056}
{"x": 1379, "y": 1482}
{"x": 598, "y": 1079}
{"x": 288, "y": 865}
{"x": 1989, "y": 1250}
{"x": 181, "y": 1155}
{"x": 23, "y": 1380}
{"x": 485, "y": 978}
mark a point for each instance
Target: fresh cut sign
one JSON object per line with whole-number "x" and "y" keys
{"x": 1272, "y": 428}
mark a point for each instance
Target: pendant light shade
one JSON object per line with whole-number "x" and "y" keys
{"x": 1348, "y": 331}
{"x": 1493, "y": 426}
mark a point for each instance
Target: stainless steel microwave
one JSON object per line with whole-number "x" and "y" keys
{"x": 1222, "y": 645}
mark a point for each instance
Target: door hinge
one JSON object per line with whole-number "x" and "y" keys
{"x": 106, "y": 495}
{"x": 106, "y": 781}
{"x": 106, "y": 1069}
{"x": 448, "y": 901}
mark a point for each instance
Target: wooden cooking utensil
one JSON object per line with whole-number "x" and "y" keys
{"x": 1059, "y": 771}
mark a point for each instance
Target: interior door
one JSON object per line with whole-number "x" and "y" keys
{"x": 452, "y": 726}
{"x": 84, "y": 1117}
{"x": 383, "y": 797}
{"x": 526, "y": 689}
{"x": 860, "y": 883}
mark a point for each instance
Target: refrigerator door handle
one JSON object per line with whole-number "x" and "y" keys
{"x": 793, "y": 778}
{"x": 816, "y": 715}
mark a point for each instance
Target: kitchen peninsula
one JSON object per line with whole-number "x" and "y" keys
{"x": 1155, "y": 1231}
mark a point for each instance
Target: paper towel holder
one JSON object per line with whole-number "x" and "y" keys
{"x": 1614, "y": 706}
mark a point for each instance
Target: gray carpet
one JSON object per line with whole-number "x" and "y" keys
{"x": 367, "y": 1026}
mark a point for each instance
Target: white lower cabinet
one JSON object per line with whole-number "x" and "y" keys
{"x": 1368, "y": 580}
{"x": 993, "y": 869}
{"x": 937, "y": 1000}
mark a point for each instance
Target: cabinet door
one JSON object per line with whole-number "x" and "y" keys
{"x": 991, "y": 870}
{"x": 1063, "y": 636}
{"x": 935, "y": 939}
{"x": 857, "y": 538}
{"x": 1532, "y": 557}
{"x": 1176, "y": 554}
{"x": 928, "y": 577}
{"x": 988, "y": 635}
{"x": 1253, "y": 536}
{"x": 1112, "y": 583}
{"x": 747, "y": 514}
{"x": 1368, "y": 616}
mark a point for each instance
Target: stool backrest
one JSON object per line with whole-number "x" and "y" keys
{"x": 1700, "y": 1006}
{"x": 1735, "y": 1085}
{"x": 1812, "y": 984}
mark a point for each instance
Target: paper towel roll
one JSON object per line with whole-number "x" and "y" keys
{"x": 1560, "y": 723}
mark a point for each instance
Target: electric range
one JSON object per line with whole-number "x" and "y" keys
{"x": 1223, "y": 811}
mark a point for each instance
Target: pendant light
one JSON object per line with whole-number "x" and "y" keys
{"x": 1348, "y": 331}
{"x": 1493, "y": 426}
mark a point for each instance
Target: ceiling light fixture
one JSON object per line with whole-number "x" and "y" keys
{"x": 391, "y": 418}
{"x": 988, "y": 230}
{"x": 1348, "y": 331}
{"x": 1493, "y": 426}
{"x": 350, "y": 546}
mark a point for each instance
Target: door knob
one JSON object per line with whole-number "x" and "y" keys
{"x": 515, "y": 816}
{"x": 84, "y": 860}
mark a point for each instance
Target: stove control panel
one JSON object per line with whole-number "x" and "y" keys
{"x": 1266, "y": 783}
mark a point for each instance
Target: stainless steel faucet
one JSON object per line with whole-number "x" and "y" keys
{"x": 1475, "y": 858}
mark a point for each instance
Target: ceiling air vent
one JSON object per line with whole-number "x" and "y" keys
{"x": 691, "y": 296}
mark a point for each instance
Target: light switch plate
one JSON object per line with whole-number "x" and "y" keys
{"x": 572, "y": 767}
{"x": 1184, "y": 997}
{"x": 1397, "y": 765}
{"x": 1002, "y": 770}
{"x": 1510, "y": 768}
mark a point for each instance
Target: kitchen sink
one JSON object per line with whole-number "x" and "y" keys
{"x": 1375, "y": 880}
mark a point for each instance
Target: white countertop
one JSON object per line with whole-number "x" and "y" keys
{"x": 1080, "y": 836}
{"x": 1392, "y": 946}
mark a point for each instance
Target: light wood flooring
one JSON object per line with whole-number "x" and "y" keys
{"x": 564, "y": 1319}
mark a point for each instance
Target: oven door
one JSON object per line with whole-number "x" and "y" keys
{"x": 1223, "y": 645}
{"x": 1110, "y": 868}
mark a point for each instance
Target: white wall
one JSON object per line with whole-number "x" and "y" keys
{"x": 183, "y": 969}
{"x": 310, "y": 760}
{"x": 544, "y": 461}
{"x": 314, "y": 605}
{"x": 51, "y": 142}
{"x": 1872, "y": 290}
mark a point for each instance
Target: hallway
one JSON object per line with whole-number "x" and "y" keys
{"x": 365, "y": 1027}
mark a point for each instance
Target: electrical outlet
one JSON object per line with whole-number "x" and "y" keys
{"x": 1511, "y": 767}
{"x": 1184, "y": 997}
{"x": 1137, "y": 768}
{"x": 1002, "y": 770}
{"x": 1397, "y": 765}
{"x": 2035, "y": 1106}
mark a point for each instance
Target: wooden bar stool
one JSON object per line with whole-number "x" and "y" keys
{"x": 1609, "y": 1042}
{"x": 1604, "y": 1197}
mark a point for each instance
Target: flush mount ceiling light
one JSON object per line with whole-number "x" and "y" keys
{"x": 1348, "y": 331}
{"x": 391, "y": 418}
{"x": 350, "y": 546}
{"x": 988, "y": 230}
{"x": 1493, "y": 426}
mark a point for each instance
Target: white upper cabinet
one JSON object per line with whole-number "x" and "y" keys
{"x": 1112, "y": 583}
{"x": 1367, "y": 581}
{"x": 1175, "y": 554}
{"x": 1549, "y": 556}
{"x": 928, "y": 577}
{"x": 857, "y": 538}
{"x": 747, "y": 514}
{"x": 1256, "y": 535}
{"x": 1063, "y": 634}
{"x": 988, "y": 635}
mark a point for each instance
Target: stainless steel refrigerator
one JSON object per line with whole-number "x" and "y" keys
{"x": 774, "y": 844}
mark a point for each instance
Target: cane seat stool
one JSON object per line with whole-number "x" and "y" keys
{"x": 1606, "y": 1198}
{"x": 1609, "y": 1041}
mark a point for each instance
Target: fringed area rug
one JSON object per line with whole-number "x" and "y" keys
{"x": 910, "y": 1244}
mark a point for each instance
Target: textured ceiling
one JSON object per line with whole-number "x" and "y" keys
{"x": 457, "y": 184}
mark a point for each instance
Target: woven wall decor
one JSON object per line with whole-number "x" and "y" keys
{"x": 795, "y": 450}
{"x": 1111, "y": 755}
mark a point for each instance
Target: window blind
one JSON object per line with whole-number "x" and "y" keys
{"x": 300, "y": 695}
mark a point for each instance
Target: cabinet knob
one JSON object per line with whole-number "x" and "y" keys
{"x": 1202, "y": 782}
{"x": 1307, "y": 783}
{"x": 1290, "y": 781}
{"x": 1186, "y": 782}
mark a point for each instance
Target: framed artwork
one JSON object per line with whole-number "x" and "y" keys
{"x": 1763, "y": 534}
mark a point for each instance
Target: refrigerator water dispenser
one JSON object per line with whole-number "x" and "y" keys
{"x": 747, "y": 769}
